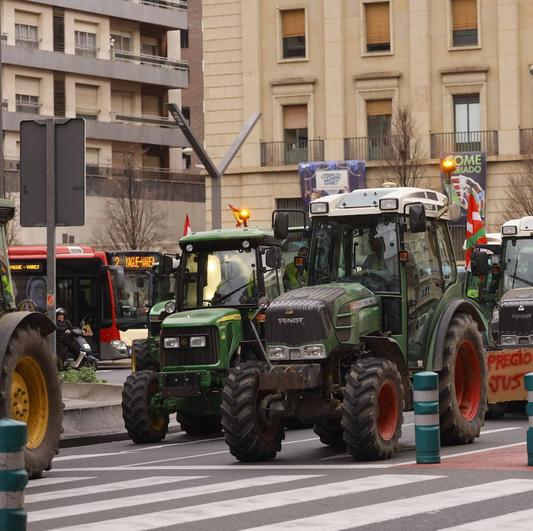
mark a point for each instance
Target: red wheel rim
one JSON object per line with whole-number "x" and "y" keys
{"x": 467, "y": 380}
{"x": 387, "y": 410}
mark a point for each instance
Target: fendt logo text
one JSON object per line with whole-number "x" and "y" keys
{"x": 290, "y": 320}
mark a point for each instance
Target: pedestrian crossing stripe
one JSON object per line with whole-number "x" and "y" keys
{"x": 518, "y": 520}
{"x": 46, "y": 482}
{"x": 154, "y": 497}
{"x": 218, "y": 509}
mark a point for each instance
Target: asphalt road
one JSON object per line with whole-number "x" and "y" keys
{"x": 195, "y": 484}
{"x": 113, "y": 376}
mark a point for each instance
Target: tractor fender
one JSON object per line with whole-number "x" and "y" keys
{"x": 439, "y": 336}
{"x": 13, "y": 320}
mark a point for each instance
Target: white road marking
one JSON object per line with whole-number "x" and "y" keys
{"x": 45, "y": 482}
{"x": 273, "y": 500}
{"x": 519, "y": 520}
{"x": 148, "y": 498}
{"x": 403, "y": 507}
{"x": 486, "y": 432}
{"x": 107, "y": 487}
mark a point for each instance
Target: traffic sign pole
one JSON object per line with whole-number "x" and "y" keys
{"x": 51, "y": 228}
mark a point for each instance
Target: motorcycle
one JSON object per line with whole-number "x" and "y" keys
{"x": 77, "y": 342}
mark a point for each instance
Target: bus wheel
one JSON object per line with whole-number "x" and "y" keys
{"x": 144, "y": 423}
{"x": 199, "y": 424}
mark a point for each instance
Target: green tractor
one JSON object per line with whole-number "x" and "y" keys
{"x": 30, "y": 389}
{"x": 383, "y": 301}
{"x": 223, "y": 280}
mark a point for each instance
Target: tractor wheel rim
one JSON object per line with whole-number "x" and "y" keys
{"x": 387, "y": 410}
{"x": 29, "y": 399}
{"x": 467, "y": 380}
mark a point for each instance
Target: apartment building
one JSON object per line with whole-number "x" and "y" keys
{"x": 329, "y": 75}
{"x": 117, "y": 64}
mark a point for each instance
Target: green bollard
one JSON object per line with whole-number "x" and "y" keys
{"x": 528, "y": 383}
{"x": 13, "y": 475}
{"x": 427, "y": 430}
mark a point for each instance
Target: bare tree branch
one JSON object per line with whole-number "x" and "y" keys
{"x": 12, "y": 227}
{"x": 519, "y": 197}
{"x": 404, "y": 149}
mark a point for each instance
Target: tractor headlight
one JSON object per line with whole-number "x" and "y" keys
{"x": 313, "y": 352}
{"x": 198, "y": 341}
{"x": 388, "y": 204}
{"x": 171, "y": 342}
{"x": 277, "y": 353}
{"x": 509, "y": 340}
{"x": 170, "y": 307}
{"x": 319, "y": 208}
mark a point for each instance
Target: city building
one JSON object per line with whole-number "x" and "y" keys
{"x": 329, "y": 76}
{"x": 117, "y": 64}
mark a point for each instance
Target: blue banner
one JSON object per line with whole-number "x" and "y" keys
{"x": 318, "y": 179}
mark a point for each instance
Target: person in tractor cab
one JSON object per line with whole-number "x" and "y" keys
{"x": 234, "y": 284}
{"x": 376, "y": 261}
{"x": 295, "y": 275}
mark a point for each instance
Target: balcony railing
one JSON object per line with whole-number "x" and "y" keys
{"x": 442, "y": 143}
{"x": 148, "y": 173}
{"x": 86, "y": 51}
{"x": 88, "y": 114}
{"x": 162, "y": 121}
{"x": 26, "y": 42}
{"x": 526, "y": 142}
{"x": 287, "y": 153}
{"x": 28, "y": 107}
{"x": 154, "y": 60}
{"x": 374, "y": 148}
{"x": 169, "y": 4}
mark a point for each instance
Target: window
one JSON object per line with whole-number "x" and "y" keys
{"x": 92, "y": 156}
{"x": 26, "y": 36}
{"x": 464, "y": 23}
{"x": 293, "y": 31}
{"x": 150, "y": 47}
{"x": 467, "y": 116}
{"x": 86, "y": 101}
{"x": 377, "y": 17}
{"x": 184, "y": 39}
{"x": 122, "y": 102}
{"x": 186, "y": 111}
{"x": 26, "y": 103}
{"x": 378, "y": 119}
{"x": 85, "y": 43}
{"x": 121, "y": 43}
{"x": 27, "y": 94}
{"x": 446, "y": 255}
{"x": 295, "y": 133}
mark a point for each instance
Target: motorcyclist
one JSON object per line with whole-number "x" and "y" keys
{"x": 64, "y": 343}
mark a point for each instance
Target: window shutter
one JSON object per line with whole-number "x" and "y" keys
{"x": 294, "y": 116}
{"x": 25, "y": 17}
{"x": 377, "y": 23}
{"x": 92, "y": 156}
{"x": 293, "y": 23}
{"x": 464, "y": 14}
{"x": 86, "y": 27}
{"x": 379, "y": 107}
{"x": 28, "y": 86}
{"x": 86, "y": 97}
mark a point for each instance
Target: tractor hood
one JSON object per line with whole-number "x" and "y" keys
{"x": 201, "y": 317}
{"x": 516, "y": 313}
{"x": 518, "y": 295}
{"x": 321, "y": 313}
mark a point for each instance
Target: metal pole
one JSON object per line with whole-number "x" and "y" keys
{"x": 427, "y": 428}
{"x": 51, "y": 227}
{"x": 2, "y": 177}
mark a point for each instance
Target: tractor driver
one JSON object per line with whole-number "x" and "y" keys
{"x": 375, "y": 262}
{"x": 295, "y": 275}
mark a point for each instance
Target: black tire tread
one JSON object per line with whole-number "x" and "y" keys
{"x": 330, "y": 432}
{"x": 199, "y": 424}
{"x": 140, "y": 348}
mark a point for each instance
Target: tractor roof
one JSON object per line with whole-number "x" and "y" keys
{"x": 521, "y": 228}
{"x": 372, "y": 201}
{"x": 225, "y": 238}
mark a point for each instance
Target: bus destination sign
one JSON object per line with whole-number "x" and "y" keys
{"x": 135, "y": 261}
{"x": 26, "y": 267}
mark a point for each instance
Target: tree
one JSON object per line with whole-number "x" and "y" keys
{"x": 519, "y": 198}
{"x": 404, "y": 149}
{"x": 131, "y": 222}
{"x": 12, "y": 227}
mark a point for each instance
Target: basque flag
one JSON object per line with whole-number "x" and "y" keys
{"x": 187, "y": 231}
{"x": 475, "y": 229}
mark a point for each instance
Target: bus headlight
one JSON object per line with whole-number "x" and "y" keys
{"x": 119, "y": 345}
{"x": 277, "y": 353}
{"x": 171, "y": 342}
{"x": 198, "y": 341}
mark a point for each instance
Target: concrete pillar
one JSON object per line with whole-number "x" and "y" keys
{"x": 420, "y": 82}
{"x": 509, "y": 77}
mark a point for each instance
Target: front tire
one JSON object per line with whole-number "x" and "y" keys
{"x": 141, "y": 356}
{"x": 199, "y": 424}
{"x": 142, "y": 424}
{"x": 248, "y": 435}
{"x": 462, "y": 382}
{"x": 30, "y": 380}
{"x": 372, "y": 409}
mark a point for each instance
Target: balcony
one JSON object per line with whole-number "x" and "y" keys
{"x": 86, "y": 51}
{"x": 374, "y": 148}
{"x": 28, "y": 107}
{"x": 290, "y": 153}
{"x": 443, "y": 143}
{"x": 144, "y": 173}
{"x": 27, "y": 42}
{"x": 161, "y": 121}
{"x": 168, "y": 4}
{"x": 145, "y": 59}
{"x": 526, "y": 142}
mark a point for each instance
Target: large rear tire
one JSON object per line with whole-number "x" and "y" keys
{"x": 330, "y": 432}
{"x": 372, "y": 409}
{"x": 199, "y": 424}
{"x": 30, "y": 381}
{"x": 141, "y": 356}
{"x": 462, "y": 382}
{"x": 142, "y": 425}
{"x": 248, "y": 435}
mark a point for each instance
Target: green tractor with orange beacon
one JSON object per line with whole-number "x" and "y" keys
{"x": 383, "y": 301}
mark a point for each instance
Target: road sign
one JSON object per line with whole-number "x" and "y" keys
{"x": 69, "y": 172}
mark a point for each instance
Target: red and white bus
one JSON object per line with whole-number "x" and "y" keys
{"x": 109, "y": 291}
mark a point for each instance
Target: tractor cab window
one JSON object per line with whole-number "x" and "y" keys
{"x": 219, "y": 278}
{"x": 518, "y": 264}
{"x": 6, "y": 290}
{"x": 356, "y": 249}
{"x": 271, "y": 276}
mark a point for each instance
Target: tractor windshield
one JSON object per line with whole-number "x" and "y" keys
{"x": 6, "y": 290}
{"x": 356, "y": 249}
{"x": 518, "y": 264}
{"x": 219, "y": 278}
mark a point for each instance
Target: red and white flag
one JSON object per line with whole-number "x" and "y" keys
{"x": 475, "y": 229}
{"x": 187, "y": 230}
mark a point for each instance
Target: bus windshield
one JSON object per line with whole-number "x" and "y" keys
{"x": 219, "y": 278}
{"x": 133, "y": 296}
{"x": 518, "y": 264}
{"x": 356, "y": 249}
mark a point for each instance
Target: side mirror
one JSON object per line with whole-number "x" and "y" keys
{"x": 479, "y": 263}
{"x": 281, "y": 225}
{"x": 417, "y": 218}
{"x": 273, "y": 258}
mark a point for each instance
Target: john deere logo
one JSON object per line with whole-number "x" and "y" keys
{"x": 291, "y": 320}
